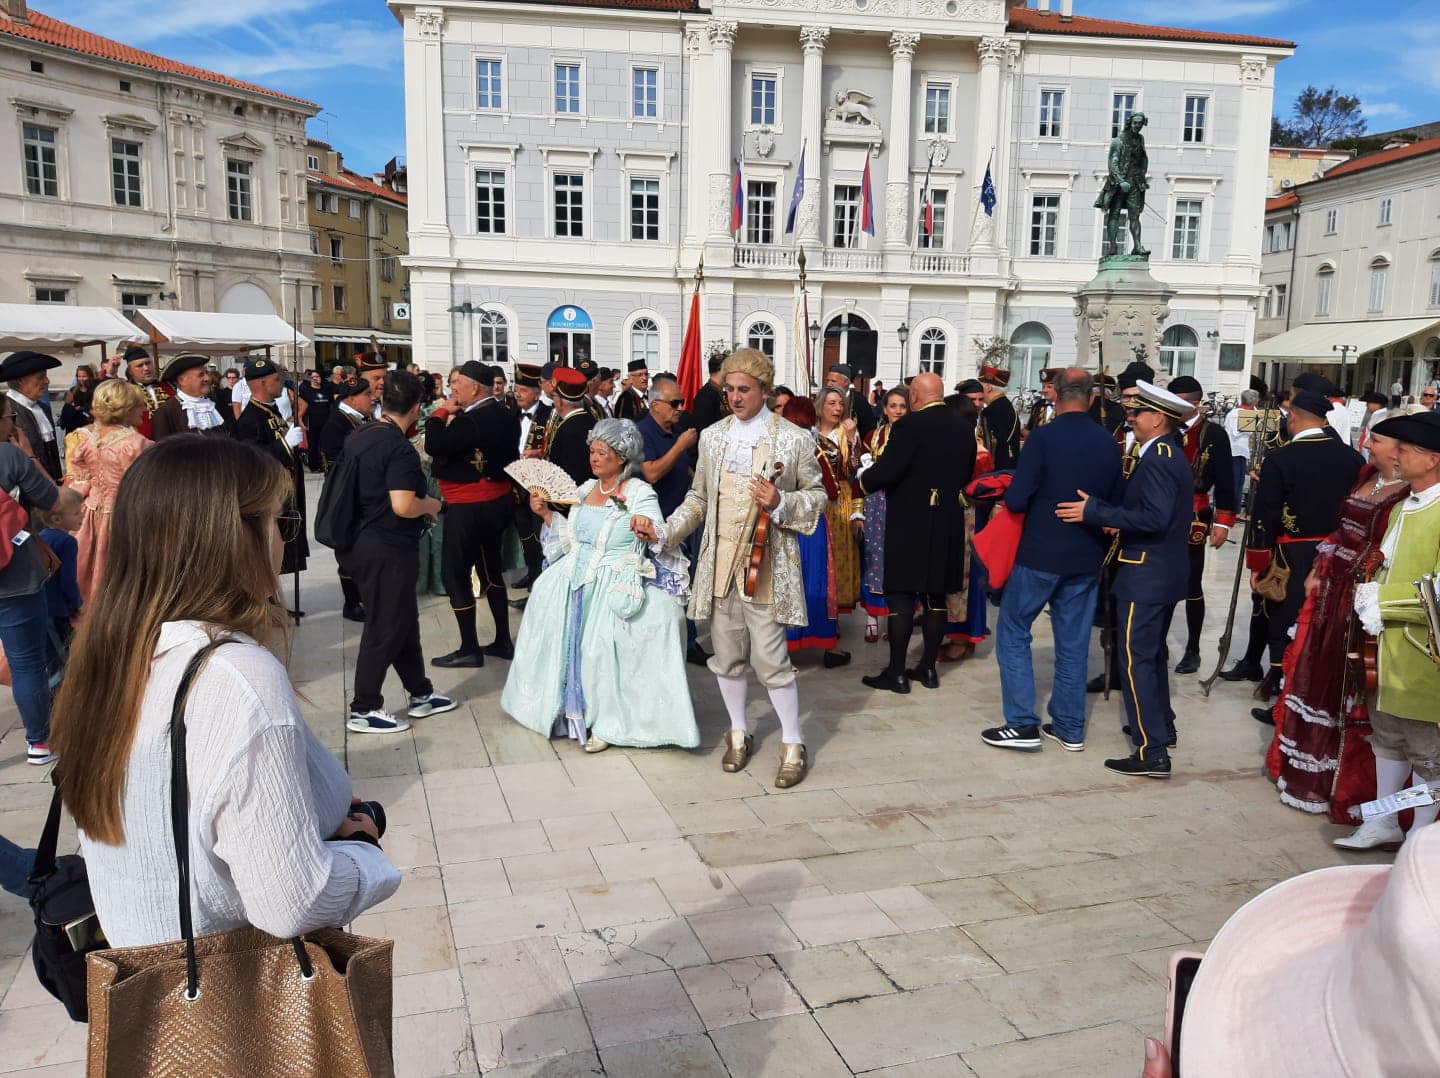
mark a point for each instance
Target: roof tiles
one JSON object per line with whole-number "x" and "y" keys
{"x": 1028, "y": 20}
{"x": 1383, "y": 157}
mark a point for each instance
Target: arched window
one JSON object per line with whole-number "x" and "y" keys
{"x": 494, "y": 338}
{"x": 1178, "y": 349}
{"x": 1029, "y": 354}
{"x": 1324, "y": 288}
{"x": 761, "y": 337}
{"x": 932, "y": 351}
{"x": 1379, "y": 281}
{"x": 645, "y": 342}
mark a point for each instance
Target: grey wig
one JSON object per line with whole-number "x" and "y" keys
{"x": 622, "y": 436}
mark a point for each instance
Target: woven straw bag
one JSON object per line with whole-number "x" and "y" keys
{"x": 239, "y": 1004}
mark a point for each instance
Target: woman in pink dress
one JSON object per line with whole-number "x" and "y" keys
{"x": 97, "y": 457}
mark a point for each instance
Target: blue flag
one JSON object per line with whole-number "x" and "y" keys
{"x": 796, "y": 195}
{"x": 987, "y": 194}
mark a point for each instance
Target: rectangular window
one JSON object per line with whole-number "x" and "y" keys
{"x": 567, "y": 89}
{"x": 847, "y": 215}
{"x": 1232, "y": 357}
{"x": 1052, "y": 113}
{"x": 125, "y": 172}
{"x": 1185, "y": 246}
{"x": 326, "y": 202}
{"x": 490, "y": 203}
{"x": 52, "y": 295}
{"x": 384, "y": 224}
{"x": 936, "y": 239}
{"x": 1282, "y": 300}
{"x": 337, "y": 294}
{"x": 387, "y": 269}
{"x": 337, "y": 249}
{"x": 1122, "y": 107}
{"x": 645, "y": 93}
{"x": 1378, "y": 279}
{"x": 937, "y": 110}
{"x": 763, "y": 100}
{"x": 569, "y": 205}
{"x": 239, "y": 190}
{"x": 644, "y": 208}
{"x": 314, "y": 243}
{"x": 1265, "y": 303}
{"x": 1044, "y": 225}
{"x": 355, "y": 208}
{"x": 760, "y": 211}
{"x": 314, "y": 297}
{"x": 487, "y": 84}
{"x": 130, "y": 302}
{"x": 1287, "y": 235}
{"x": 312, "y": 162}
{"x": 1435, "y": 284}
{"x": 1269, "y": 239}
{"x": 42, "y": 170}
{"x": 1332, "y": 222}
{"x": 1385, "y": 207}
{"x": 1196, "y": 109}
{"x": 1323, "y": 286}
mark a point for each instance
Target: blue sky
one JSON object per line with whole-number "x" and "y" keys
{"x": 346, "y": 54}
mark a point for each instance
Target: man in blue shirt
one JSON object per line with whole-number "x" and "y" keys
{"x": 1056, "y": 563}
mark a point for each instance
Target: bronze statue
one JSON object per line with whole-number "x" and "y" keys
{"x": 1124, "y": 190}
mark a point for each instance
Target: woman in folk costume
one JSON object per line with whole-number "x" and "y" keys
{"x": 817, "y": 563}
{"x": 600, "y": 656}
{"x": 839, "y": 441}
{"x": 895, "y": 404}
{"x": 99, "y": 458}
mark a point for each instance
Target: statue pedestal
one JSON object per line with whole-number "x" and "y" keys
{"x": 1120, "y": 310}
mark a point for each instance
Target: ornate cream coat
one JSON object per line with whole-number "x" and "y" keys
{"x": 804, "y": 502}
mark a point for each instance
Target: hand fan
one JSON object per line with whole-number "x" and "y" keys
{"x": 548, "y": 478}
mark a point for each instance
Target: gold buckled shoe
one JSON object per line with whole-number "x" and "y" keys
{"x": 737, "y": 751}
{"x": 793, "y": 763}
{"x": 594, "y": 744}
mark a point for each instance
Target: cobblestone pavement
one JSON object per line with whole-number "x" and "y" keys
{"x": 921, "y": 906}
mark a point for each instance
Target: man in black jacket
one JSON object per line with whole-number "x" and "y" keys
{"x": 925, "y": 466}
{"x": 354, "y": 404}
{"x": 841, "y": 377}
{"x": 25, "y": 374}
{"x": 567, "y": 444}
{"x": 709, "y": 406}
{"x": 470, "y": 439}
{"x": 262, "y": 425}
{"x": 999, "y": 422}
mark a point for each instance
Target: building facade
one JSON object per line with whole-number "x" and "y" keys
{"x": 574, "y": 163}
{"x": 1351, "y": 273}
{"x": 358, "y": 235}
{"x": 135, "y": 181}
{"x": 1290, "y": 166}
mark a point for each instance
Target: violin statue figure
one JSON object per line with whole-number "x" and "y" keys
{"x": 1124, "y": 189}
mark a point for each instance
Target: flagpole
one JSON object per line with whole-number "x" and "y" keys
{"x": 805, "y": 325}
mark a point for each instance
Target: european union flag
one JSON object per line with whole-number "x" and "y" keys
{"x": 796, "y": 195}
{"x": 987, "y": 194}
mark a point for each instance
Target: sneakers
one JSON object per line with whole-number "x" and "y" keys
{"x": 422, "y": 707}
{"x": 1380, "y": 834}
{"x": 39, "y": 754}
{"x": 1134, "y": 765}
{"x": 1048, "y": 729}
{"x": 1012, "y": 737}
{"x": 375, "y": 722}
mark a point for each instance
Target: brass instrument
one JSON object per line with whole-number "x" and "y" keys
{"x": 1430, "y": 603}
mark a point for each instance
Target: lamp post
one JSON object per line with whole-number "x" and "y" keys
{"x": 1344, "y": 350}
{"x": 814, "y": 336}
{"x": 902, "y": 331}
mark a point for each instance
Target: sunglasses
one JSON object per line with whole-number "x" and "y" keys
{"x": 678, "y": 403}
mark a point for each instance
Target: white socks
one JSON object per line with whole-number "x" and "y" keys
{"x": 733, "y": 692}
{"x": 786, "y": 702}
{"x": 1391, "y": 776}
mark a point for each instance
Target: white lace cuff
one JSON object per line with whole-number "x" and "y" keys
{"x": 1367, "y": 607}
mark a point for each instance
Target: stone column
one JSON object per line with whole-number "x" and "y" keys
{"x": 897, "y": 186}
{"x": 722, "y": 45}
{"x": 1247, "y": 215}
{"x": 987, "y": 126}
{"x": 812, "y": 116}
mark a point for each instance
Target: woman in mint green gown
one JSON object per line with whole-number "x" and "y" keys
{"x": 601, "y": 652}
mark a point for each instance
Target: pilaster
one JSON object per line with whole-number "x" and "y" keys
{"x": 897, "y": 185}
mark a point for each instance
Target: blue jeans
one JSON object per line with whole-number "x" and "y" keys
{"x": 25, "y": 635}
{"x": 15, "y": 865}
{"x": 1072, "y": 608}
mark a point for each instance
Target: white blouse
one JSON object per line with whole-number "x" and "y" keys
{"x": 264, "y": 796}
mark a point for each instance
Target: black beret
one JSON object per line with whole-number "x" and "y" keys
{"x": 1307, "y": 400}
{"x": 842, "y": 369}
{"x": 1311, "y": 382}
{"x": 135, "y": 352}
{"x": 970, "y": 385}
{"x": 1422, "y": 429}
{"x": 180, "y": 364}
{"x": 1258, "y": 385}
{"x": 352, "y": 387}
{"x": 19, "y": 364}
{"x": 547, "y": 370}
{"x": 635, "y": 365}
{"x": 477, "y": 371}
{"x": 1184, "y": 384}
{"x": 1137, "y": 371}
{"x": 589, "y": 368}
{"x": 259, "y": 367}
{"x": 1375, "y": 398}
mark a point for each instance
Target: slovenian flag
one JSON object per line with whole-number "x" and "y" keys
{"x": 737, "y": 200}
{"x": 987, "y": 194}
{"x": 867, "y": 206}
{"x": 796, "y": 195}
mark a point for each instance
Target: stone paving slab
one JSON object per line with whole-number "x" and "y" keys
{"x": 921, "y": 907}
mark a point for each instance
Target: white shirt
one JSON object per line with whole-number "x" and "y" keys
{"x": 264, "y": 796}
{"x": 200, "y": 412}
{"x": 1339, "y": 418}
{"x": 240, "y": 394}
{"x": 527, "y": 420}
{"x": 744, "y": 435}
{"x": 1239, "y": 443}
{"x": 47, "y": 429}
{"x": 1313, "y": 432}
{"x": 353, "y": 411}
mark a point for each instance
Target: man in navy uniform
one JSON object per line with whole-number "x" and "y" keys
{"x": 261, "y": 425}
{"x": 1153, "y": 523}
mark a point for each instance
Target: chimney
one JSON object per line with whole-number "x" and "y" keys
{"x": 1042, "y": 6}
{"x": 1067, "y": 10}
{"x": 14, "y": 11}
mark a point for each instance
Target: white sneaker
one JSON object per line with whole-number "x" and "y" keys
{"x": 376, "y": 722}
{"x": 422, "y": 707}
{"x": 1381, "y": 834}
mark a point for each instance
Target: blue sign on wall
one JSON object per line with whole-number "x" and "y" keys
{"x": 569, "y": 318}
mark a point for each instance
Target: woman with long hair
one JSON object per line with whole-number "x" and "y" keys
{"x": 839, "y": 440}
{"x": 99, "y": 458}
{"x": 76, "y": 412}
{"x": 893, "y": 407}
{"x": 273, "y": 843}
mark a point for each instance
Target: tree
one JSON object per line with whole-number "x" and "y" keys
{"x": 1318, "y": 119}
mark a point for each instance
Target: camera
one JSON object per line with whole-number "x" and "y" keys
{"x": 375, "y": 811}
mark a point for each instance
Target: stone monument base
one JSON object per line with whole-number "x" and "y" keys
{"x": 1120, "y": 312}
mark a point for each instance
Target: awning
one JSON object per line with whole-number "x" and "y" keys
{"x": 54, "y": 325}
{"x": 350, "y": 335}
{"x": 210, "y": 331}
{"x": 1315, "y": 343}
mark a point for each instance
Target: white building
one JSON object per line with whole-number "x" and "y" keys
{"x": 1352, "y": 272}
{"x": 135, "y": 181}
{"x": 573, "y": 162}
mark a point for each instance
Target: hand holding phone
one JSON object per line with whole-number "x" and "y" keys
{"x": 1183, "y": 967}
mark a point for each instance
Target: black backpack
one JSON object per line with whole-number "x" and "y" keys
{"x": 337, "y": 516}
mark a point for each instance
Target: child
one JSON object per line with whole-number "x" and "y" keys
{"x": 62, "y": 592}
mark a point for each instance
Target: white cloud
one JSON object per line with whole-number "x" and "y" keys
{"x": 143, "y": 23}
{"x": 1386, "y": 110}
{"x": 307, "y": 52}
{"x": 1193, "y": 14}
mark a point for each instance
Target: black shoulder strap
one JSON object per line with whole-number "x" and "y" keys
{"x": 44, "y": 864}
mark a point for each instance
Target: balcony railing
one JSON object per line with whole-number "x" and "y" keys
{"x": 932, "y": 262}
{"x": 850, "y": 260}
{"x": 764, "y": 256}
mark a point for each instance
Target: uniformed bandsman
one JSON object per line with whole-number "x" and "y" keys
{"x": 999, "y": 422}
{"x": 141, "y": 368}
{"x": 262, "y": 425}
{"x": 590, "y": 371}
{"x": 1104, "y": 409}
{"x": 1154, "y": 531}
{"x": 567, "y": 445}
{"x": 634, "y": 402}
{"x": 1044, "y": 409}
{"x": 533, "y": 416}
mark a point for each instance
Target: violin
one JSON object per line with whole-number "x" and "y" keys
{"x": 759, "y": 540}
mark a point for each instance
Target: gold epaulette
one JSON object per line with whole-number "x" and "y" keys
{"x": 1166, "y": 448}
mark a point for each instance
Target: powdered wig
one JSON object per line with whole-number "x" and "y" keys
{"x": 622, "y": 436}
{"x": 750, "y": 361}
{"x": 114, "y": 399}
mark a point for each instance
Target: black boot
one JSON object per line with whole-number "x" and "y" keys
{"x": 1244, "y": 670}
{"x": 1189, "y": 662}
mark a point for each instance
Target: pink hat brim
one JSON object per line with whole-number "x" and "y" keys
{"x": 1258, "y": 1007}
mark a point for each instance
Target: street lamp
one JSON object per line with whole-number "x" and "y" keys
{"x": 814, "y": 334}
{"x": 1344, "y": 350}
{"x": 903, "y": 332}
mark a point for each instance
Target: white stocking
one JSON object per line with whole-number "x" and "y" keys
{"x": 786, "y": 702}
{"x": 1391, "y": 776}
{"x": 733, "y": 691}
